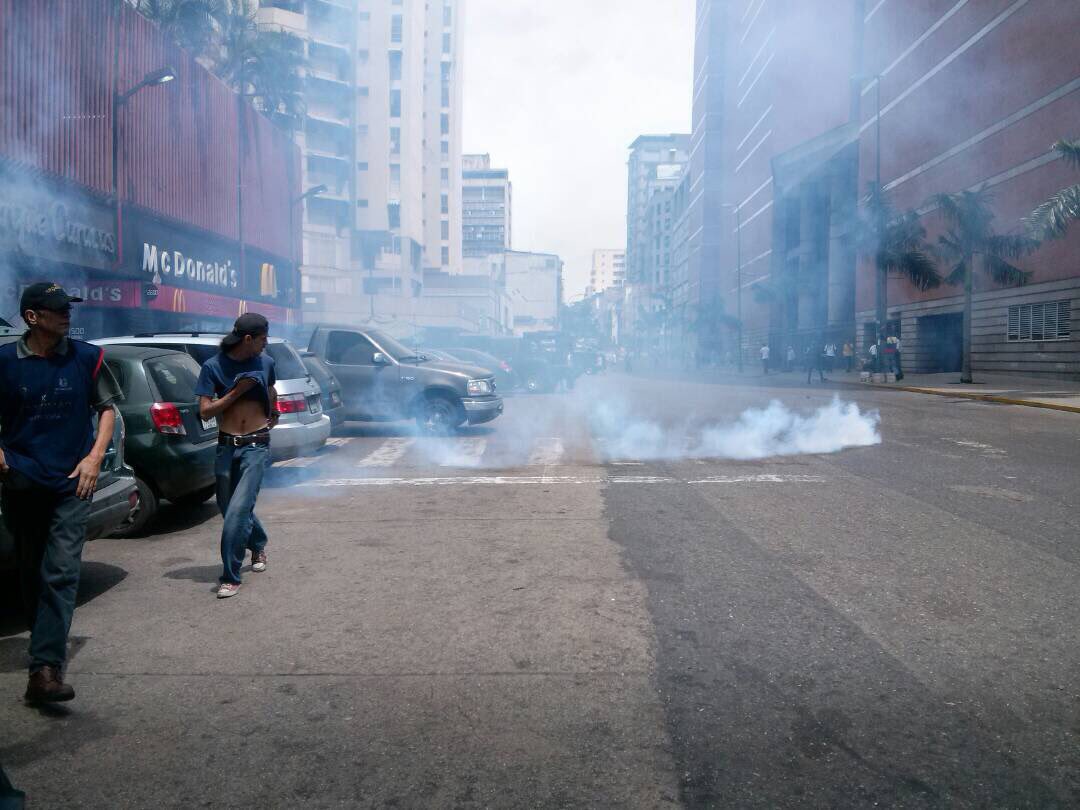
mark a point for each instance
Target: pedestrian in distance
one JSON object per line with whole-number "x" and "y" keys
{"x": 817, "y": 359}
{"x": 899, "y": 364}
{"x": 849, "y": 355}
{"x": 830, "y": 356}
{"x": 765, "y": 358}
{"x": 236, "y": 386}
{"x": 874, "y": 358}
{"x": 790, "y": 364}
{"x": 50, "y": 459}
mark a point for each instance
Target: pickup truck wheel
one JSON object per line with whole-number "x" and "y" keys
{"x": 144, "y": 511}
{"x": 438, "y": 415}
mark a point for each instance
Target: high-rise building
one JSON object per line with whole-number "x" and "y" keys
{"x": 382, "y": 133}
{"x": 656, "y": 161}
{"x": 608, "y": 270}
{"x": 487, "y": 197}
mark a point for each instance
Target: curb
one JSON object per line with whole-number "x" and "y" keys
{"x": 969, "y": 395}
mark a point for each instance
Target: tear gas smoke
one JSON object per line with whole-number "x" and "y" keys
{"x": 757, "y": 433}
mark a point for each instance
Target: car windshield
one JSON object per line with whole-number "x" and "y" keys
{"x": 287, "y": 364}
{"x": 398, "y": 351}
{"x": 175, "y": 377}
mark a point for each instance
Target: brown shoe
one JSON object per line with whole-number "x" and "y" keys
{"x": 47, "y": 686}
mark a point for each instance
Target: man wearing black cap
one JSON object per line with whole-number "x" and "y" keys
{"x": 49, "y": 464}
{"x": 237, "y": 387}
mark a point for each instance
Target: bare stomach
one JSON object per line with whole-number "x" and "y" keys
{"x": 244, "y": 416}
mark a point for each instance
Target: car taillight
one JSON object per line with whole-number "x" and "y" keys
{"x": 291, "y": 403}
{"x": 505, "y": 366}
{"x": 166, "y": 418}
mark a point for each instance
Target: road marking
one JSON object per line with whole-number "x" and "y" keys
{"x": 462, "y": 452}
{"x": 987, "y": 449}
{"x": 387, "y": 454}
{"x": 339, "y": 441}
{"x": 299, "y": 461}
{"x": 546, "y": 452}
{"x": 478, "y": 480}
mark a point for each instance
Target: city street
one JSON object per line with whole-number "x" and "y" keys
{"x": 527, "y": 615}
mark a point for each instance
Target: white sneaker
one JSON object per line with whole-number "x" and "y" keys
{"x": 228, "y": 589}
{"x": 258, "y": 561}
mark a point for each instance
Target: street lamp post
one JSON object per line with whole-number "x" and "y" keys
{"x": 314, "y": 191}
{"x": 157, "y": 77}
{"x": 738, "y": 282}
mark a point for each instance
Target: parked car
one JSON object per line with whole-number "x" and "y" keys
{"x": 503, "y": 371}
{"x": 332, "y": 403}
{"x": 114, "y": 498}
{"x": 383, "y": 380}
{"x": 170, "y": 447}
{"x": 302, "y": 428}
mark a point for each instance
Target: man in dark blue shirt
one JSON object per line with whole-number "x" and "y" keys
{"x": 49, "y": 465}
{"x": 237, "y": 387}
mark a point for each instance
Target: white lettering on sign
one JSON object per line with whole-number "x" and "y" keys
{"x": 163, "y": 262}
{"x": 29, "y": 223}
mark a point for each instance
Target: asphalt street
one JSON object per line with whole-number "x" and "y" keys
{"x": 582, "y": 605}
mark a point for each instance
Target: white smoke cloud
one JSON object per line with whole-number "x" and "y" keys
{"x": 757, "y": 433}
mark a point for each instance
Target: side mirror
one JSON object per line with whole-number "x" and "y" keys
{"x": 380, "y": 359}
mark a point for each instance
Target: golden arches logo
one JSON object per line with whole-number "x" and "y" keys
{"x": 178, "y": 302}
{"x": 268, "y": 280}
{"x": 242, "y": 308}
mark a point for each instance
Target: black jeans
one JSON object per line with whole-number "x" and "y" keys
{"x": 49, "y": 530}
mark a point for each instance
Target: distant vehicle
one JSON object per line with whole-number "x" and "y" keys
{"x": 503, "y": 371}
{"x": 383, "y": 380}
{"x": 332, "y": 403}
{"x": 302, "y": 427}
{"x": 114, "y": 498}
{"x": 170, "y": 447}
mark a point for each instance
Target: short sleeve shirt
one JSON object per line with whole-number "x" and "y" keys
{"x": 221, "y": 373}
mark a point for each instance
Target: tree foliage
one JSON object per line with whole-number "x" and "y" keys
{"x": 1052, "y": 219}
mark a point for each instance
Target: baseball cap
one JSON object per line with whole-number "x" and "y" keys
{"x": 46, "y": 295}
{"x": 250, "y": 323}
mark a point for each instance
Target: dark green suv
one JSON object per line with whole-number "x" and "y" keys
{"x": 169, "y": 445}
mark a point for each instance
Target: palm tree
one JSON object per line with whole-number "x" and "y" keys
{"x": 193, "y": 24}
{"x": 971, "y": 235}
{"x": 1051, "y": 219}
{"x": 896, "y": 244}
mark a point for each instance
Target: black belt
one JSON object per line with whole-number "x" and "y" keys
{"x": 260, "y": 437}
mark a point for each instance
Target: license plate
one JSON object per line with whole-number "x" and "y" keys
{"x": 209, "y": 424}
{"x": 314, "y": 405}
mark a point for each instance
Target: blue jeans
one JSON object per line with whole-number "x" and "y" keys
{"x": 239, "y": 473}
{"x": 49, "y": 530}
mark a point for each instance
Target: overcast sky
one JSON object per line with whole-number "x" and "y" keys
{"x": 556, "y": 91}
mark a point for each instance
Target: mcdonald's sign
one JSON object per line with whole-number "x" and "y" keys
{"x": 241, "y": 308}
{"x": 268, "y": 280}
{"x": 178, "y": 302}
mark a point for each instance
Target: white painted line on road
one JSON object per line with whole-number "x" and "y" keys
{"x": 546, "y": 452}
{"x": 388, "y": 453}
{"x": 760, "y": 479}
{"x": 300, "y": 461}
{"x": 462, "y": 452}
{"x": 339, "y": 441}
{"x": 554, "y": 479}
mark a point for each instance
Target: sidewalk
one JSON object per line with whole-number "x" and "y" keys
{"x": 1008, "y": 389}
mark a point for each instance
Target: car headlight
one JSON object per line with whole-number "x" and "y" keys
{"x": 478, "y": 388}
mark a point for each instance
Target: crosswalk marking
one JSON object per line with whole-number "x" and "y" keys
{"x": 339, "y": 441}
{"x": 387, "y": 454}
{"x": 546, "y": 452}
{"x": 462, "y": 452}
{"x": 299, "y": 461}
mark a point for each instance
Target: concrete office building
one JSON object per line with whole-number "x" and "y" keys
{"x": 786, "y": 137}
{"x": 656, "y": 161}
{"x": 383, "y": 133}
{"x": 608, "y": 270}
{"x": 534, "y": 285}
{"x": 487, "y": 202}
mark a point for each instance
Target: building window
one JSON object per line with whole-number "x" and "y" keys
{"x": 395, "y": 66}
{"x": 446, "y": 43}
{"x": 445, "y": 95}
{"x": 1038, "y": 322}
{"x": 444, "y": 175}
{"x": 393, "y": 215}
{"x": 362, "y": 166}
{"x": 364, "y": 16}
{"x": 444, "y": 204}
{"x": 361, "y": 203}
{"x": 395, "y": 28}
{"x": 444, "y": 124}
{"x": 445, "y": 256}
{"x": 447, "y": 16}
{"x": 363, "y": 91}
{"x": 445, "y": 229}
{"x": 395, "y": 172}
{"x": 444, "y": 147}
{"x": 395, "y": 104}
{"x": 395, "y": 140}
{"x": 446, "y": 71}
